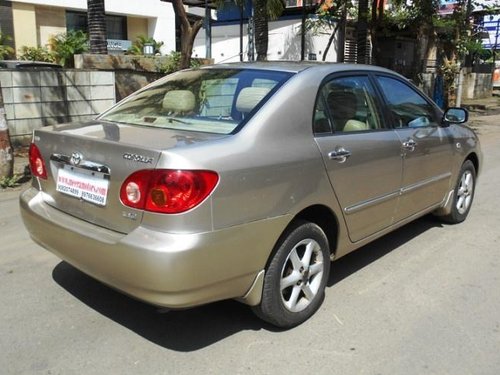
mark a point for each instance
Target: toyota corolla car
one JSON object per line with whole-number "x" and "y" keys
{"x": 243, "y": 181}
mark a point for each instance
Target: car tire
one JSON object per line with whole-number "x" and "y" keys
{"x": 463, "y": 194}
{"x": 295, "y": 279}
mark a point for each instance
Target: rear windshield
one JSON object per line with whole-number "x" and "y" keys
{"x": 206, "y": 100}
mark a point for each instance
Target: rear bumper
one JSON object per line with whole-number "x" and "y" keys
{"x": 172, "y": 270}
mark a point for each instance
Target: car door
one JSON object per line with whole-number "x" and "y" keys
{"x": 362, "y": 157}
{"x": 426, "y": 146}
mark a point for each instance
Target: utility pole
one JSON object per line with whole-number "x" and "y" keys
{"x": 458, "y": 102}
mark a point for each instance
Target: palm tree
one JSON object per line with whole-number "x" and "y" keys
{"x": 362, "y": 39}
{"x": 96, "y": 18}
{"x": 261, "y": 28}
{"x": 264, "y": 10}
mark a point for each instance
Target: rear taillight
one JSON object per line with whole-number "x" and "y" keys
{"x": 166, "y": 190}
{"x": 37, "y": 164}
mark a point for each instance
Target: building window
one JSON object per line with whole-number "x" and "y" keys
{"x": 116, "y": 26}
{"x": 76, "y": 21}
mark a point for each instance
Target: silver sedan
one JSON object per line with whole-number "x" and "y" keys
{"x": 245, "y": 180}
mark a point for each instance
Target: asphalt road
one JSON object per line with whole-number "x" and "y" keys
{"x": 422, "y": 300}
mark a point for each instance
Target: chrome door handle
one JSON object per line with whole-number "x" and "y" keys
{"x": 410, "y": 145}
{"x": 341, "y": 154}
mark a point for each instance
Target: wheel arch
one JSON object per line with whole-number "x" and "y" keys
{"x": 325, "y": 219}
{"x": 473, "y": 157}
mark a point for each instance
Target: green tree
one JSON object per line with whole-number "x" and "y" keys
{"x": 189, "y": 28}
{"x": 96, "y": 19}
{"x": 5, "y": 49}
{"x": 331, "y": 15}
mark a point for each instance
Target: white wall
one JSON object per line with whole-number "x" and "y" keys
{"x": 284, "y": 42}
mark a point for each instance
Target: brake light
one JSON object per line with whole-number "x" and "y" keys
{"x": 166, "y": 190}
{"x": 37, "y": 164}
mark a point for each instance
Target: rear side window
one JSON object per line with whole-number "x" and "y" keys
{"x": 408, "y": 108}
{"x": 347, "y": 104}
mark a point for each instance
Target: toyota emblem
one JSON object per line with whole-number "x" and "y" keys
{"x": 76, "y": 158}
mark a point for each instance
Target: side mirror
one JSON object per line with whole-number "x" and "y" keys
{"x": 455, "y": 115}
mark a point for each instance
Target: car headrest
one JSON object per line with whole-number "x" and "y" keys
{"x": 249, "y": 97}
{"x": 179, "y": 101}
{"x": 340, "y": 97}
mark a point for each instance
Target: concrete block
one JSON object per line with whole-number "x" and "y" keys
{"x": 99, "y": 106}
{"x": 24, "y": 127}
{"x": 57, "y": 110}
{"x": 51, "y": 78}
{"x": 25, "y": 78}
{"x": 77, "y": 78}
{"x": 75, "y": 93}
{"x": 48, "y": 121}
{"x": 82, "y": 118}
{"x": 7, "y": 94}
{"x": 78, "y": 108}
{"x": 102, "y": 92}
{"x": 102, "y": 78}
{"x": 6, "y": 78}
{"x": 26, "y": 94}
{"x": 9, "y": 111}
{"x": 27, "y": 110}
{"x": 52, "y": 94}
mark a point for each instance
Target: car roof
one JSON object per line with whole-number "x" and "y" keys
{"x": 298, "y": 66}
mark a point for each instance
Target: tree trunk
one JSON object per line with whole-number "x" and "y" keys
{"x": 96, "y": 19}
{"x": 377, "y": 18}
{"x": 362, "y": 50}
{"x": 330, "y": 40}
{"x": 261, "y": 29}
{"x": 187, "y": 42}
{"x": 188, "y": 33}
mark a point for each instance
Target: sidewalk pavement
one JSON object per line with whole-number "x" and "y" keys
{"x": 483, "y": 106}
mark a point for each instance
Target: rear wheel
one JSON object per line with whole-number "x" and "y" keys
{"x": 463, "y": 194}
{"x": 295, "y": 280}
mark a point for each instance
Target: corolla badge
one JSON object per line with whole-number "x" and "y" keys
{"x": 76, "y": 158}
{"x": 138, "y": 158}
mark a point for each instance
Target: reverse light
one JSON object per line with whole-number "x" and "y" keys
{"x": 166, "y": 190}
{"x": 37, "y": 164}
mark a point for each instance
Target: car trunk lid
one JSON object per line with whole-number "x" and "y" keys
{"x": 87, "y": 163}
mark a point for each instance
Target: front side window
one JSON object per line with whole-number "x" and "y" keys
{"x": 204, "y": 100}
{"x": 347, "y": 104}
{"x": 408, "y": 108}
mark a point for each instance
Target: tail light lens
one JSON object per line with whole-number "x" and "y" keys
{"x": 37, "y": 164}
{"x": 167, "y": 191}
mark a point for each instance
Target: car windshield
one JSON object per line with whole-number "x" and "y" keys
{"x": 205, "y": 100}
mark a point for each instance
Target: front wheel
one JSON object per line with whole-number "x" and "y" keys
{"x": 463, "y": 194}
{"x": 295, "y": 280}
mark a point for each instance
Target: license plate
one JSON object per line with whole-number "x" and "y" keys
{"x": 88, "y": 188}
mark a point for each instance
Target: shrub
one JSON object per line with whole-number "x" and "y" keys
{"x": 36, "y": 54}
{"x": 5, "y": 49}
{"x": 64, "y": 46}
{"x": 138, "y": 45}
{"x": 173, "y": 63}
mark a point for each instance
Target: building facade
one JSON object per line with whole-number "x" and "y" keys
{"x": 33, "y": 22}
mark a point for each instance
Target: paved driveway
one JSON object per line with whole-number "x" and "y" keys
{"x": 422, "y": 300}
